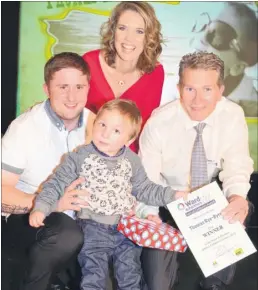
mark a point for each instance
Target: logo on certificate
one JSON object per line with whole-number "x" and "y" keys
{"x": 181, "y": 206}
{"x": 239, "y": 251}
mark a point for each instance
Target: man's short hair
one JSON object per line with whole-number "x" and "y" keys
{"x": 65, "y": 60}
{"x": 202, "y": 60}
{"x": 125, "y": 108}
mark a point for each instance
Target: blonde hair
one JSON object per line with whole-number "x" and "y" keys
{"x": 202, "y": 60}
{"x": 153, "y": 37}
{"x": 125, "y": 108}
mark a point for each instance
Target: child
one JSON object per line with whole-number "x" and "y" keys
{"x": 112, "y": 173}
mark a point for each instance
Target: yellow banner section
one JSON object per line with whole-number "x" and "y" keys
{"x": 251, "y": 120}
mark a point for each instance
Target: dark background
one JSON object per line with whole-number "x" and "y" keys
{"x": 9, "y": 57}
{"x": 247, "y": 270}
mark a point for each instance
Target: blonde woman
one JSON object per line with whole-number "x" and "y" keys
{"x": 127, "y": 65}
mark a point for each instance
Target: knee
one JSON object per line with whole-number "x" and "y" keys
{"x": 61, "y": 235}
{"x": 69, "y": 240}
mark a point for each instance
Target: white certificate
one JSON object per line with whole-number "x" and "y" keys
{"x": 214, "y": 242}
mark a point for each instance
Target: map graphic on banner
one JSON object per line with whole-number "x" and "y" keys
{"x": 47, "y": 28}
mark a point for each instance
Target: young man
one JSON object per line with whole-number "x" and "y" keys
{"x": 169, "y": 138}
{"x": 31, "y": 148}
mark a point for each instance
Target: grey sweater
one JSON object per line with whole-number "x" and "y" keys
{"x": 114, "y": 184}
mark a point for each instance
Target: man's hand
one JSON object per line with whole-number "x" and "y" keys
{"x": 71, "y": 200}
{"x": 36, "y": 219}
{"x": 236, "y": 210}
{"x": 154, "y": 218}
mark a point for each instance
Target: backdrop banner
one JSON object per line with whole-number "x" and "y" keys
{"x": 228, "y": 29}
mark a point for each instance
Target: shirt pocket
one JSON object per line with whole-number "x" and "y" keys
{"x": 213, "y": 168}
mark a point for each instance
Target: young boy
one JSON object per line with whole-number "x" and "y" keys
{"x": 115, "y": 179}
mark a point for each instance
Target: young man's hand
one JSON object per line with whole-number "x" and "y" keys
{"x": 71, "y": 200}
{"x": 36, "y": 219}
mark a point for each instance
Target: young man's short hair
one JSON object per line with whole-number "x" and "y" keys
{"x": 65, "y": 60}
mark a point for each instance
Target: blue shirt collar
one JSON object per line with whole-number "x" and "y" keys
{"x": 56, "y": 120}
{"x": 120, "y": 152}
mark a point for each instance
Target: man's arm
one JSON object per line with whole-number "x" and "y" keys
{"x": 237, "y": 165}
{"x": 55, "y": 186}
{"x": 237, "y": 168}
{"x": 14, "y": 201}
{"x": 15, "y": 155}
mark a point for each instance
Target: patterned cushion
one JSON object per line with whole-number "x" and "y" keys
{"x": 151, "y": 235}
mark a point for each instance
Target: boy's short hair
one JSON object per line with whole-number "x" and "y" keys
{"x": 65, "y": 60}
{"x": 126, "y": 108}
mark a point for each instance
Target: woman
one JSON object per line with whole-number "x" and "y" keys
{"x": 127, "y": 66}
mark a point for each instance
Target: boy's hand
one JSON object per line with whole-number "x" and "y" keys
{"x": 36, "y": 219}
{"x": 182, "y": 194}
{"x": 154, "y": 218}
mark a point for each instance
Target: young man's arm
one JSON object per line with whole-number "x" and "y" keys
{"x": 15, "y": 155}
{"x": 54, "y": 188}
{"x": 14, "y": 201}
{"x": 14, "y": 161}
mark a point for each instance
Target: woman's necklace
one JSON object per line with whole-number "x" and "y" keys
{"x": 123, "y": 81}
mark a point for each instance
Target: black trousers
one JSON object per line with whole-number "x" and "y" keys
{"x": 33, "y": 256}
{"x": 160, "y": 267}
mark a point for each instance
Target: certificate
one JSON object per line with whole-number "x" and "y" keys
{"x": 214, "y": 242}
